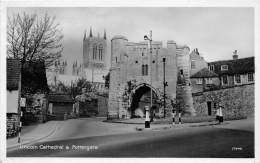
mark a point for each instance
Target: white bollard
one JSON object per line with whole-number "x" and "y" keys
{"x": 173, "y": 117}
{"x": 179, "y": 117}
{"x": 147, "y": 119}
{"x": 220, "y": 115}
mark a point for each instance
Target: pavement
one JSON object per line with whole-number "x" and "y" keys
{"x": 34, "y": 133}
{"x": 89, "y": 127}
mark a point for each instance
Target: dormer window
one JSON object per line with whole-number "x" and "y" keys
{"x": 211, "y": 67}
{"x": 199, "y": 81}
{"x": 224, "y": 67}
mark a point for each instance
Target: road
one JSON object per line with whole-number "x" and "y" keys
{"x": 233, "y": 140}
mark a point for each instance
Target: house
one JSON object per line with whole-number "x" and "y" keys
{"x": 59, "y": 105}
{"x": 34, "y": 89}
{"x": 234, "y": 72}
{"x": 13, "y": 72}
{"x": 204, "y": 80}
{"x": 13, "y": 67}
{"x": 229, "y": 83}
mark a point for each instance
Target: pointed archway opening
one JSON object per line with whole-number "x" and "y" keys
{"x": 142, "y": 98}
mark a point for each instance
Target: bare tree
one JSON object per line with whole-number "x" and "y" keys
{"x": 32, "y": 38}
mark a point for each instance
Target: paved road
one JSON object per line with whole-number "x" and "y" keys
{"x": 211, "y": 141}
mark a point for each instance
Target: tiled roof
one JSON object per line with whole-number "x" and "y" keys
{"x": 204, "y": 73}
{"x": 238, "y": 66}
{"x": 12, "y": 70}
{"x": 60, "y": 98}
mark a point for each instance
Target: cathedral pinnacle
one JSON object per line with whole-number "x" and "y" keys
{"x": 90, "y": 32}
{"x": 84, "y": 35}
{"x": 105, "y": 35}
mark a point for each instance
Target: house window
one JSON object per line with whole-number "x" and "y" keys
{"x": 224, "y": 79}
{"x": 145, "y": 70}
{"x": 209, "y": 81}
{"x": 211, "y": 67}
{"x": 193, "y": 65}
{"x": 250, "y": 77}
{"x": 224, "y": 67}
{"x": 237, "y": 79}
{"x": 199, "y": 81}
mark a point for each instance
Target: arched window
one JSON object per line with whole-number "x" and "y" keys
{"x": 94, "y": 52}
{"x": 100, "y": 52}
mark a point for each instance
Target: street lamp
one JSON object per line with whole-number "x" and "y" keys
{"x": 165, "y": 84}
{"x": 151, "y": 52}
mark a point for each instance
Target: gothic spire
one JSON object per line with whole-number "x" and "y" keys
{"x": 90, "y": 32}
{"x": 105, "y": 35}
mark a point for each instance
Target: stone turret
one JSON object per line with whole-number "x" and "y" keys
{"x": 117, "y": 48}
{"x": 115, "y": 87}
{"x": 183, "y": 89}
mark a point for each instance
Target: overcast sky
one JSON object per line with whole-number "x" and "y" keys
{"x": 216, "y": 32}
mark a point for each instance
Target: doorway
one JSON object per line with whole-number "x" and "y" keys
{"x": 209, "y": 108}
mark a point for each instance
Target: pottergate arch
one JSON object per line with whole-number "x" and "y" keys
{"x": 140, "y": 97}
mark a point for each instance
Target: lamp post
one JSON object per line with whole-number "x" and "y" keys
{"x": 151, "y": 52}
{"x": 164, "y": 85}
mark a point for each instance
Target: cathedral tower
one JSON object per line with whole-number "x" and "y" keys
{"x": 94, "y": 56}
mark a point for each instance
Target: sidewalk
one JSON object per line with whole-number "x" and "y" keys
{"x": 162, "y": 123}
{"x": 32, "y": 134}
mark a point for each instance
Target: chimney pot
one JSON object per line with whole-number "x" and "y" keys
{"x": 235, "y": 56}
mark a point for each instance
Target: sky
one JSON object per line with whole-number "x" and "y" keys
{"x": 216, "y": 32}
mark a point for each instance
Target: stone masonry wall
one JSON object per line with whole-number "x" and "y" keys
{"x": 237, "y": 101}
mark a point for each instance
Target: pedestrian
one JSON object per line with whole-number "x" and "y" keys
{"x": 173, "y": 116}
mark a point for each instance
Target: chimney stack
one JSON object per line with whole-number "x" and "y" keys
{"x": 235, "y": 56}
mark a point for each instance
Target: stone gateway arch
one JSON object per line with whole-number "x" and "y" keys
{"x": 130, "y": 79}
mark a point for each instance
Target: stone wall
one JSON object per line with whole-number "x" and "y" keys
{"x": 102, "y": 106}
{"x": 237, "y": 101}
